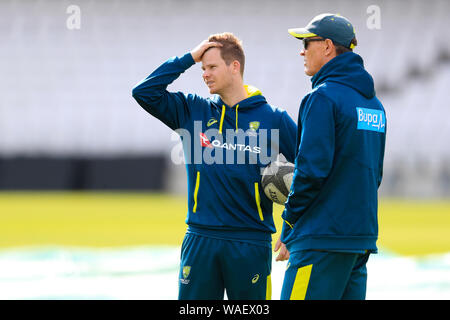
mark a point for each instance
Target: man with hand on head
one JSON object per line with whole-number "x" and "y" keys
{"x": 227, "y": 245}
{"x": 330, "y": 219}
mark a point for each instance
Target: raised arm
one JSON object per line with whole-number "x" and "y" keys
{"x": 172, "y": 108}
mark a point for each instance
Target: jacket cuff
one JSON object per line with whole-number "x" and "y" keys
{"x": 289, "y": 218}
{"x": 187, "y": 60}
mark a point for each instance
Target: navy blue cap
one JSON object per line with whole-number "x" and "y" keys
{"x": 330, "y": 26}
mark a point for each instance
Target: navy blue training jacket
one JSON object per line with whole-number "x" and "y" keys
{"x": 225, "y": 148}
{"x": 341, "y": 135}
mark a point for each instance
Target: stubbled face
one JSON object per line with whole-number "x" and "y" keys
{"x": 216, "y": 74}
{"x": 313, "y": 57}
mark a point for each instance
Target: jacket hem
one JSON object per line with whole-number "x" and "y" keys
{"x": 333, "y": 243}
{"x": 230, "y": 234}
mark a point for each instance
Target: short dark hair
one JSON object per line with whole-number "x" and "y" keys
{"x": 340, "y": 49}
{"x": 231, "y": 48}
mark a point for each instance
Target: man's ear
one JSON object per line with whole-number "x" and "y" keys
{"x": 329, "y": 48}
{"x": 236, "y": 66}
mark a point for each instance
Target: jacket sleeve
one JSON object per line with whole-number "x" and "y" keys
{"x": 314, "y": 155}
{"x": 288, "y": 133}
{"x": 151, "y": 94}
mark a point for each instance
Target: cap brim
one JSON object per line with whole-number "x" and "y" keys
{"x": 301, "y": 33}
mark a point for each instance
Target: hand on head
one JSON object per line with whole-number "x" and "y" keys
{"x": 198, "y": 51}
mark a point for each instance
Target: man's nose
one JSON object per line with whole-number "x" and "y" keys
{"x": 302, "y": 52}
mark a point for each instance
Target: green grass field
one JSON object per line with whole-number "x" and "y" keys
{"x": 129, "y": 219}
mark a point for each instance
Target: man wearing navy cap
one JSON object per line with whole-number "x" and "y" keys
{"x": 330, "y": 219}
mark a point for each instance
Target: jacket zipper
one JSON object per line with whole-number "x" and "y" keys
{"x": 197, "y": 185}
{"x": 258, "y": 202}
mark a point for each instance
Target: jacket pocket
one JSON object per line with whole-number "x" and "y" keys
{"x": 258, "y": 201}
{"x": 197, "y": 186}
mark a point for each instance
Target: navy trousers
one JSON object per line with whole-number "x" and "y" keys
{"x": 209, "y": 266}
{"x": 325, "y": 275}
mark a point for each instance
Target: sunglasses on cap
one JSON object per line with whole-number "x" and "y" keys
{"x": 306, "y": 41}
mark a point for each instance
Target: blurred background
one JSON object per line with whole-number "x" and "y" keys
{"x": 91, "y": 204}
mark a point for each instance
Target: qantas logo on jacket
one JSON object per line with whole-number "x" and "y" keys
{"x": 229, "y": 146}
{"x": 205, "y": 141}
